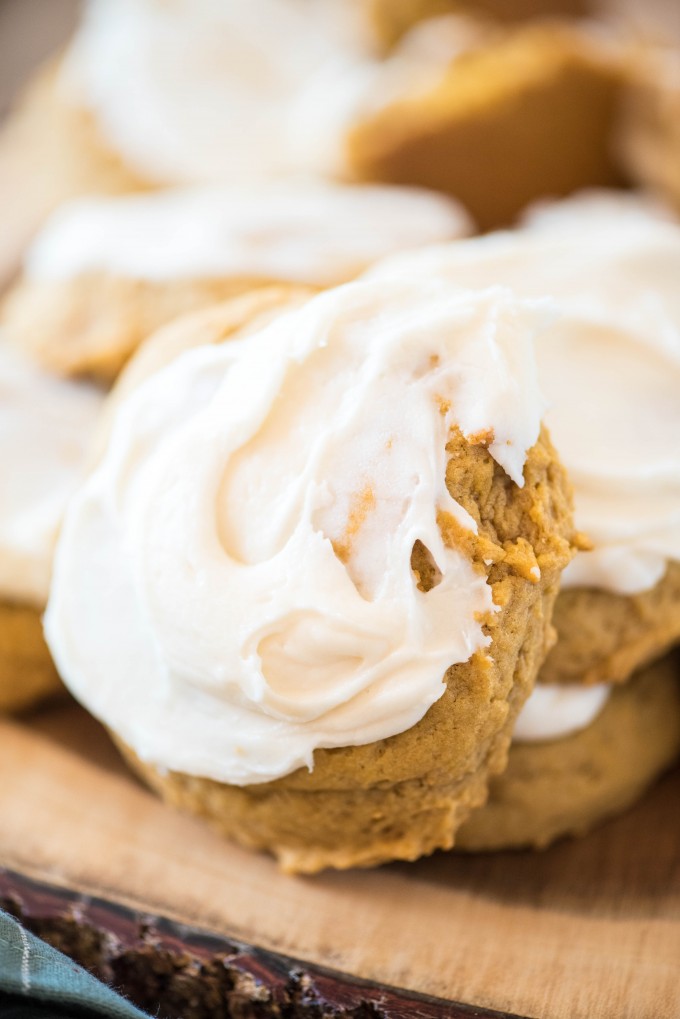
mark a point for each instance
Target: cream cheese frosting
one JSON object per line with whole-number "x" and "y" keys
{"x": 610, "y": 367}
{"x": 233, "y": 585}
{"x": 554, "y": 711}
{"x": 45, "y": 427}
{"x": 205, "y": 90}
{"x": 312, "y": 232}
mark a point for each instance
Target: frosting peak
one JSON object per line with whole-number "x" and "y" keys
{"x": 234, "y": 586}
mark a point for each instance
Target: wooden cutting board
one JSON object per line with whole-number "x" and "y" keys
{"x": 587, "y": 928}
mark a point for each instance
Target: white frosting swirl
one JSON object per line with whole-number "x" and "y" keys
{"x": 554, "y": 711}
{"x": 206, "y": 90}
{"x": 317, "y": 233}
{"x": 233, "y": 586}
{"x": 195, "y": 91}
{"x": 610, "y": 367}
{"x": 45, "y": 427}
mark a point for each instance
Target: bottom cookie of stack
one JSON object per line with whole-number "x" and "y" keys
{"x": 565, "y": 786}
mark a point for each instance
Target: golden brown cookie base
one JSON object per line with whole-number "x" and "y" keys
{"x": 405, "y": 796}
{"x": 605, "y": 637}
{"x": 310, "y": 831}
{"x": 566, "y": 786}
{"x": 27, "y": 674}
{"x": 91, "y": 325}
{"x": 50, "y": 151}
{"x": 529, "y": 115}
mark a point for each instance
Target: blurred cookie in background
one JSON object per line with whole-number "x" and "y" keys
{"x": 104, "y": 273}
{"x": 494, "y": 111}
{"x": 524, "y": 113}
{"x": 607, "y": 264}
{"x": 650, "y": 128}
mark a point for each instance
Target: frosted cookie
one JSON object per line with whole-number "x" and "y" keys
{"x": 322, "y": 589}
{"x": 528, "y": 113}
{"x": 579, "y": 756}
{"x": 610, "y": 370}
{"x": 105, "y": 273}
{"x": 45, "y": 426}
{"x": 650, "y": 129}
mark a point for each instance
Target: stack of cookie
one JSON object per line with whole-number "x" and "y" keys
{"x": 311, "y": 543}
{"x": 603, "y": 719}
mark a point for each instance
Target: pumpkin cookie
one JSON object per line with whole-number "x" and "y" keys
{"x": 332, "y": 554}
{"x": 554, "y": 787}
{"x": 610, "y": 369}
{"x": 105, "y": 273}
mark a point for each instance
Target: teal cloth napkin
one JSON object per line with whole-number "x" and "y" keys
{"x": 38, "y": 982}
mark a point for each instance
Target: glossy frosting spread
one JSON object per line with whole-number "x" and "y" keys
{"x": 45, "y": 428}
{"x": 609, "y": 367}
{"x": 233, "y": 585}
{"x": 312, "y": 232}
{"x": 201, "y": 90}
{"x": 553, "y": 711}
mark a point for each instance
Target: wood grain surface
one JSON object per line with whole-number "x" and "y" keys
{"x": 180, "y": 972}
{"x": 587, "y": 928}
